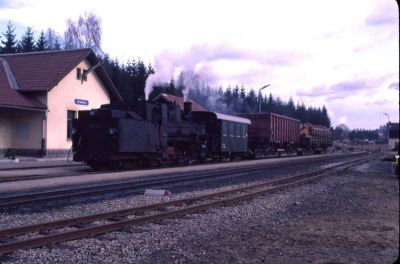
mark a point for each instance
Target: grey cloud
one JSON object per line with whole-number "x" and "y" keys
{"x": 394, "y": 86}
{"x": 387, "y": 13}
{"x": 4, "y": 3}
{"x": 353, "y": 85}
{"x": 210, "y": 53}
{"x": 339, "y": 90}
{"x": 315, "y": 92}
{"x": 380, "y": 102}
{"x": 11, "y": 4}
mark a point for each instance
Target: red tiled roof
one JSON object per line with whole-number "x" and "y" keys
{"x": 12, "y": 98}
{"x": 162, "y": 97}
{"x": 41, "y": 71}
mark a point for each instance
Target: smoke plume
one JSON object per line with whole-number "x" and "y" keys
{"x": 191, "y": 68}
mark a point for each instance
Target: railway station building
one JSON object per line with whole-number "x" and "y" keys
{"x": 40, "y": 94}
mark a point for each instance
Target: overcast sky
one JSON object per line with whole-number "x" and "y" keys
{"x": 343, "y": 54}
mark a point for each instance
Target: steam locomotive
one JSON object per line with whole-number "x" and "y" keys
{"x": 125, "y": 136}
{"x": 118, "y": 135}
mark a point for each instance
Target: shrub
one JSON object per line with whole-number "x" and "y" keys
{"x": 10, "y": 153}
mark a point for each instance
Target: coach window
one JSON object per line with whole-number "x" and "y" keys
{"x": 70, "y": 117}
{"x": 238, "y": 129}
{"x": 224, "y": 128}
{"x": 232, "y": 129}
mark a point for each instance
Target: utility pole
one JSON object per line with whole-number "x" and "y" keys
{"x": 259, "y": 96}
{"x": 387, "y": 128}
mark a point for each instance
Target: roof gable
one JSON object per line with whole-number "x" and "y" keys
{"x": 12, "y": 98}
{"x": 41, "y": 71}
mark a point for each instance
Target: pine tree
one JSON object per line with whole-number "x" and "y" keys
{"x": 9, "y": 45}
{"x": 279, "y": 105}
{"x": 28, "y": 41}
{"x": 235, "y": 100}
{"x": 290, "y": 108}
{"x": 228, "y": 97}
{"x": 41, "y": 43}
{"x": 270, "y": 103}
{"x": 251, "y": 102}
{"x": 326, "y": 121}
{"x": 301, "y": 112}
{"x": 242, "y": 98}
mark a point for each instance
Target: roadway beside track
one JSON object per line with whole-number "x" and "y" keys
{"x": 104, "y": 177}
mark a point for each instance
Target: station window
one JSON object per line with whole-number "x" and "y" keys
{"x": 70, "y": 117}
{"x": 232, "y": 129}
{"x": 84, "y": 75}
{"x": 224, "y": 128}
{"x": 22, "y": 131}
{"x": 81, "y": 74}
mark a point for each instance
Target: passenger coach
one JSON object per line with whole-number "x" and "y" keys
{"x": 227, "y": 134}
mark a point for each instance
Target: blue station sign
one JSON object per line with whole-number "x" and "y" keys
{"x": 81, "y": 102}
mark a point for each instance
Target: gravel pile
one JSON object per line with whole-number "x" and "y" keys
{"x": 340, "y": 218}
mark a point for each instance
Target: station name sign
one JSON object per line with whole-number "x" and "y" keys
{"x": 81, "y": 102}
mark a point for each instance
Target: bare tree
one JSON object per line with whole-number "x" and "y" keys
{"x": 53, "y": 40}
{"x": 84, "y": 33}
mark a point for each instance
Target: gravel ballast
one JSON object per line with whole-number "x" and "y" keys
{"x": 349, "y": 217}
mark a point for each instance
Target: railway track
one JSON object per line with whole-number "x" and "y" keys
{"x": 50, "y": 196}
{"x": 39, "y": 175}
{"x": 31, "y": 236}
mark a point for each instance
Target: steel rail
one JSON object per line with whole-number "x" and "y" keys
{"x": 14, "y": 178}
{"x": 255, "y": 190}
{"x": 16, "y": 201}
{"x": 119, "y": 213}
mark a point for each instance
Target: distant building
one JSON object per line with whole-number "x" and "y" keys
{"x": 393, "y": 135}
{"x": 40, "y": 94}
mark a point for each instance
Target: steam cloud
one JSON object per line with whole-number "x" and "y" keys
{"x": 191, "y": 68}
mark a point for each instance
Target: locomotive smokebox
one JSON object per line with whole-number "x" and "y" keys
{"x": 187, "y": 110}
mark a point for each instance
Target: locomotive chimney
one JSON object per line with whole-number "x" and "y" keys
{"x": 187, "y": 110}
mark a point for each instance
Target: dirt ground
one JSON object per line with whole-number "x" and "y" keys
{"x": 348, "y": 217}
{"x": 355, "y": 221}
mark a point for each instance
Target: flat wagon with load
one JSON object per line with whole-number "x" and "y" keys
{"x": 315, "y": 138}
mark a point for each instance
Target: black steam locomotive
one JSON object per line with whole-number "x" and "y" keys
{"x": 124, "y": 136}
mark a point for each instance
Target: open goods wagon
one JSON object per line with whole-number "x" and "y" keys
{"x": 270, "y": 133}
